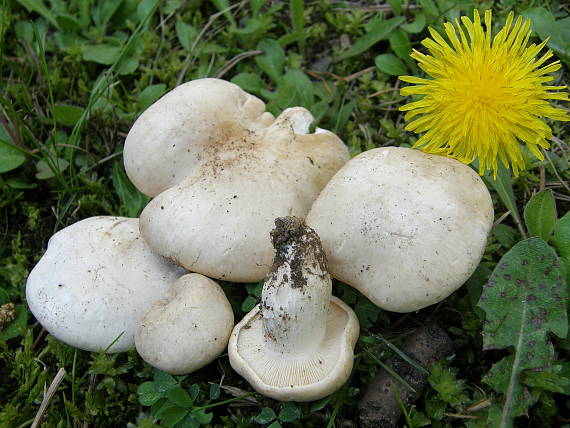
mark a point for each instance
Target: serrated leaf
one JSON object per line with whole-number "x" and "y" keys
{"x": 540, "y": 214}
{"x": 561, "y": 235}
{"x": 524, "y": 299}
{"x": 379, "y": 32}
{"x": 147, "y": 394}
{"x": 179, "y": 397}
{"x": 289, "y": 412}
{"x": 163, "y": 381}
{"x": 390, "y": 64}
{"x": 266, "y": 415}
{"x": 272, "y": 60}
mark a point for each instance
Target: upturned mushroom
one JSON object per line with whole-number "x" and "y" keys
{"x": 95, "y": 282}
{"x": 188, "y": 329}
{"x": 403, "y": 227}
{"x": 222, "y": 169}
{"x": 297, "y": 344}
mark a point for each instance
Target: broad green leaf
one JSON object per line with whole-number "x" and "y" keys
{"x": 179, "y": 397}
{"x": 256, "y": 6}
{"x": 147, "y": 394}
{"x": 214, "y": 391}
{"x": 248, "y": 304}
{"x": 172, "y": 415}
{"x": 390, "y": 64}
{"x": 505, "y": 234}
{"x": 150, "y": 94}
{"x": 540, "y": 214}
{"x": 298, "y": 20}
{"x": 10, "y": 157}
{"x": 39, "y": 7}
{"x": 132, "y": 200}
{"x": 524, "y": 299}
{"x": 379, "y": 32}
{"x": 417, "y": 26}
{"x": 366, "y": 311}
{"x": 266, "y": 415}
{"x": 186, "y": 34}
{"x": 250, "y": 82}
{"x": 400, "y": 44}
{"x": 272, "y": 60}
{"x": 104, "y": 10}
{"x": 320, "y": 404}
{"x": 21, "y": 183}
{"x": 144, "y": 8}
{"x": 45, "y": 171}
{"x": 289, "y": 412}
{"x": 101, "y": 54}
{"x": 67, "y": 115}
{"x": 275, "y": 424}
{"x": 202, "y": 416}
{"x": 163, "y": 381}
{"x": 194, "y": 391}
{"x": 68, "y": 23}
{"x": 253, "y": 25}
{"x": 429, "y": 7}
{"x": 561, "y": 237}
{"x": 17, "y": 326}
{"x": 396, "y": 6}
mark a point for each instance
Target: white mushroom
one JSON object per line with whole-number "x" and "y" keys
{"x": 95, "y": 282}
{"x": 188, "y": 329}
{"x": 298, "y": 343}
{"x": 403, "y": 227}
{"x": 223, "y": 169}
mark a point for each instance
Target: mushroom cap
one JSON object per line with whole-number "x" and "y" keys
{"x": 403, "y": 227}
{"x": 301, "y": 379}
{"x": 188, "y": 329}
{"x": 179, "y": 130}
{"x": 95, "y": 282}
{"x": 246, "y": 170}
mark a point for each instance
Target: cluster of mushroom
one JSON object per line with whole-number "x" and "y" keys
{"x": 403, "y": 227}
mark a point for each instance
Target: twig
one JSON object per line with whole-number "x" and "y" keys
{"x": 232, "y": 62}
{"x": 48, "y": 397}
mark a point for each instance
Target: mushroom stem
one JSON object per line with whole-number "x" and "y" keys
{"x": 297, "y": 291}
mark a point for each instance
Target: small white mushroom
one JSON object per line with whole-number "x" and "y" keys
{"x": 222, "y": 170}
{"x": 403, "y": 227}
{"x": 96, "y": 281}
{"x": 188, "y": 329}
{"x": 298, "y": 343}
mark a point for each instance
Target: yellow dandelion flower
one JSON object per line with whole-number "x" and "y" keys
{"x": 485, "y": 95}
